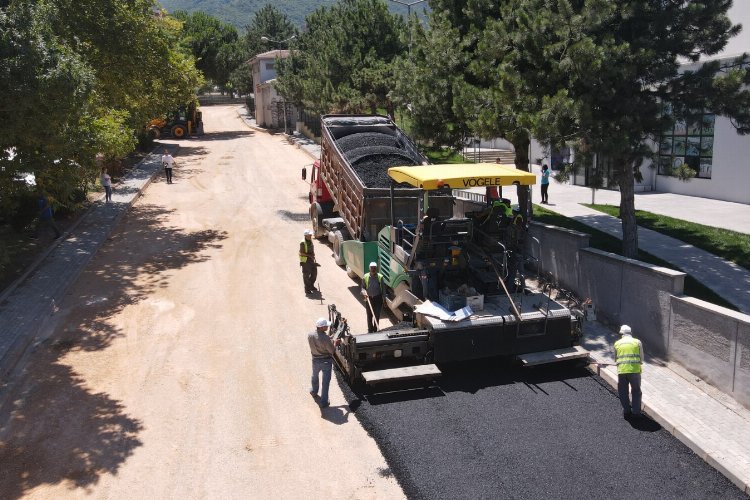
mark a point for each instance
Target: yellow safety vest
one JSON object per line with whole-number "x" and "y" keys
{"x": 628, "y": 355}
{"x": 380, "y": 281}
{"x": 303, "y": 258}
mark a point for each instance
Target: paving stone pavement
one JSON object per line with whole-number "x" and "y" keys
{"x": 27, "y": 305}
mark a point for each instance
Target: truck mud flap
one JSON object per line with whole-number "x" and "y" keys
{"x": 401, "y": 374}
{"x": 553, "y": 356}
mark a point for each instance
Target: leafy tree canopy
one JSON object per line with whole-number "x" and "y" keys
{"x": 596, "y": 72}
{"x": 343, "y": 62}
{"x": 80, "y": 79}
{"x": 213, "y": 44}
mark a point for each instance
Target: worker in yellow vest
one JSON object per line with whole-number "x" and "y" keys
{"x": 307, "y": 262}
{"x": 629, "y": 359}
{"x": 372, "y": 292}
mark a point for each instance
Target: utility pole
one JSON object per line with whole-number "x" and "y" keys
{"x": 408, "y": 8}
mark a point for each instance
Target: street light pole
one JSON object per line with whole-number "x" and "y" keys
{"x": 266, "y": 39}
{"x": 408, "y": 8}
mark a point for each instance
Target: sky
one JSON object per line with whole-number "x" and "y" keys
{"x": 739, "y": 13}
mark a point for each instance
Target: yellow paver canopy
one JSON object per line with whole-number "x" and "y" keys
{"x": 460, "y": 176}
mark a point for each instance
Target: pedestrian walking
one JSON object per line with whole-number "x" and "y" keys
{"x": 322, "y": 350}
{"x": 545, "y": 184}
{"x": 307, "y": 262}
{"x": 46, "y": 215}
{"x": 107, "y": 185}
{"x": 372, "y": 292}
{"x": 629, "y": 359}
{"x": 168, "y": 161}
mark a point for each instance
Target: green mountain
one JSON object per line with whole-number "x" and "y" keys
{"x": 240, "y": 12}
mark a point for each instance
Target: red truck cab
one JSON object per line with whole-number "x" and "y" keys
{"x": 318, "y": 190}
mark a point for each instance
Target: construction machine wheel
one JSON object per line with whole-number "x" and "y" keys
{"x": 316, "y": 218}
{"x": 179, "y": 131}
{"x": 154, "y": 133}
{"x": 338, "y": 239}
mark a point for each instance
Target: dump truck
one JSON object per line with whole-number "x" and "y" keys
{"x": 454, "y": 276}
{"x": 350, "y": 195}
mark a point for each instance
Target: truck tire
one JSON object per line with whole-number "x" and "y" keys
{"x": 338, "y": 239}
{"x": 179, "y": 131}
{"x": 316, "y": 219}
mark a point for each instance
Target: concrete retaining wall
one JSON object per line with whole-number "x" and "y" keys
{"x": 627, "y": 291}
{"x": 560, "y": 252}
{"x": 710, "y": 341}
{"x": 713, "y": 343}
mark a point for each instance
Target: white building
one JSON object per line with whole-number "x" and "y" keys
{"x": 270, "y": 107}
{"x": 708, "y": 144}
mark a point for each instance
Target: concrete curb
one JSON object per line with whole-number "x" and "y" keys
{"x": 714, "y": 458}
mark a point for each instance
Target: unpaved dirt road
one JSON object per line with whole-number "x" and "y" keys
{"x": 178, "y": 366}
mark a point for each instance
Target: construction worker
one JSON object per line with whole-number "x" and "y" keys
{"x": 307, "y": 262}
{"x": 629, "y": 359}
{"x": 322, "y": 350}
{"x": 372, "y": 292}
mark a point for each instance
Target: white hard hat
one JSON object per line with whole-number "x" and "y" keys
{"x": 308, "y": 232}
{"x": 322, "y": 323}
{"x": 625, "y": 329}
{"x": 373, "y": 264}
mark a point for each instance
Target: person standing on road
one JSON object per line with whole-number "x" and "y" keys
{"x": 107, "y": 185}
{"x": 629, "y": 359}
{"x": 307, "y": 262}
{"x": 545, "y": 184}
{"x": 322, "y": 350}
{"x": 168, "y": 161}
{"x": 372, "y": 291}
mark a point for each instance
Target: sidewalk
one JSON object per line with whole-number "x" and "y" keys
{"x": 27, "y": 306}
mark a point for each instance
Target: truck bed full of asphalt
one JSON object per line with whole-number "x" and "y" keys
{"x": 488, "y": 430}
{"x": 371, "y": 154}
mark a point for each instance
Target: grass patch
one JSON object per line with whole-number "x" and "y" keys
{"x": 607, "y": 243}
{"x": 728, "y": 245}
{"x": 443, "y": 155}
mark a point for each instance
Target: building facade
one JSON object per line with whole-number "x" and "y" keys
{"x": 271, "y": 109}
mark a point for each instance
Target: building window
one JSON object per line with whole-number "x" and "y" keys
{"x": 688, "y": 143}
{"x": 270, "y": 66}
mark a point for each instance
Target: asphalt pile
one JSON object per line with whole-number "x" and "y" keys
{"x": 371, "y": 154}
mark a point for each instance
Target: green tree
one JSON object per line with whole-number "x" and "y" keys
{"x": 344, "y": 60}
{"x": 81, "y": 79}
{"x": 595, "y": 72}
{"x": 426, "y": 80}
{"x": 616, "y": 67}
{"x": 213, "y": 44}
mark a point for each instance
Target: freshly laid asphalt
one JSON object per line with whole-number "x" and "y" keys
{"x": 486, "y": 430}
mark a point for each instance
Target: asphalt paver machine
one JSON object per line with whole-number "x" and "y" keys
{"x": 454, "y": 276}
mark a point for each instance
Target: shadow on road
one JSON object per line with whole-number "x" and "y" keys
{"x": 56, "y": 429}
